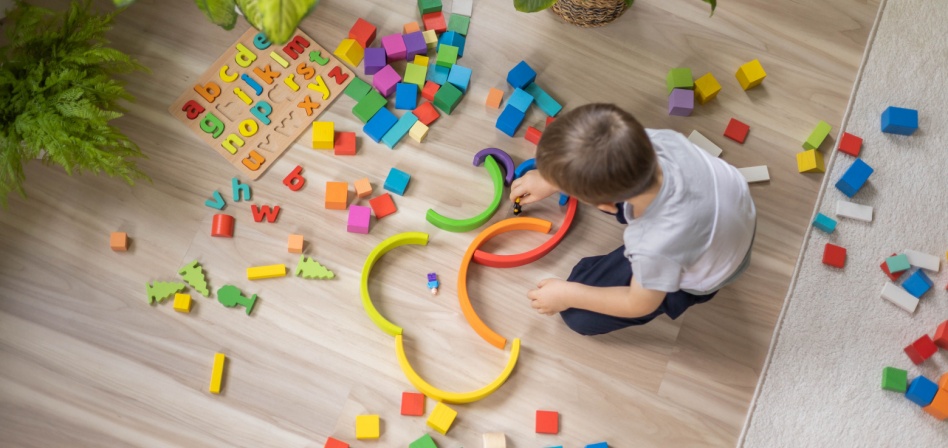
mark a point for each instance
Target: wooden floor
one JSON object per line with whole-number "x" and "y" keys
{"x": 85, "y": 361}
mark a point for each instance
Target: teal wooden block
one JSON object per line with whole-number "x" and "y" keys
{"x": 397, "y": 132}
{"x": 824, "y": 223}
{"x": 520, "y": 100}
{"x": 544, "y": 101}
{"x": 897, "y": 263}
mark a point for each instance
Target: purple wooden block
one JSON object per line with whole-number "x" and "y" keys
{"x": 385, "y": 81}
{"x": 374, "y": 60}
{"x": 394, "y": 45}
{"x": 414, "y": 45}
{"x": 359, "y": 218}
{"x": 681, "y": 102}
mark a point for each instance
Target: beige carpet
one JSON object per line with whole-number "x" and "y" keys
{"x": 821, "y": 382}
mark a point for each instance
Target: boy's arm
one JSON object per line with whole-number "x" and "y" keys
{"x": 554, "y": 295}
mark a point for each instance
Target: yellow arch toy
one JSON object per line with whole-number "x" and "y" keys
{"x": 401, "y": 239}
{"x": 455, "y": 397}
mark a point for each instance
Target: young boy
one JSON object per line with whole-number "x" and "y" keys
{"x": 690, "y": 219}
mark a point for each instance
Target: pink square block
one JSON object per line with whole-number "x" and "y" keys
{"x": 394, "y": 45}
{"x": 359, "y": 217}
{"x": 385, "y": 81}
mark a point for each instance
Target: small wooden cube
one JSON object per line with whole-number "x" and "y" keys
{"x": 344, "y": 144}
{"x": 810, "y": 161}
{"x": 363, "y": 187}
{"x": 418, "y": 131}
{"x": 413, "y": 404}
{"x": 751, "y": 74}
{"x": 367, "y": 427}
{"x": 736, "y": 130}
{"x": 182, "y": 303}
{"x": 337, "y": 195}
{"x": 494, "y": 97}
{"x": 706, "y": 88}
{"x": 441, "y": 418}
{"x": 323, "y": 134}
{"x": 548, "y": 422}
{"x": 834, "y": 255}
{"x": 118, "y": 241}
{"x": 294, "y": 244}
{"x": 410, "y": 27}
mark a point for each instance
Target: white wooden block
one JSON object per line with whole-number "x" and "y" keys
{"x": 858, "y": 212}
{"x": 900, "y": 297}
{"x": 462, "y": 7}
{"x": 495, "y": 440}
{"x": 755, "y": 173}
{"x": 923, "y": 260}
{"x": 702, "y": 142}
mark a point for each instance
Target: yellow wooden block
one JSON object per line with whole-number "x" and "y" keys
{"x": 418, "y": 131}
{"x": 367, "y": 427}
{"x": 431, "y": 38}
{"x": 441, "y": 418}
{"x": 421, "y": 60}
{"x": 217, "y": 373}
{"x": 706, "y": 88}
{"x": 350, "y": 51}
{"x": 182, "y": 303}
{"x": 751, "y": 74}
{"x": 810, "y": 161}
{"x": 262, "y": 272}
{"x": 323, "y": 134}
{"x": 363, "y": 187}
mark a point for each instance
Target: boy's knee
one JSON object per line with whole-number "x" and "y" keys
{"x": 580, "y": 322}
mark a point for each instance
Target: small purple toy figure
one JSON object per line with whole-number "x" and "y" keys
{"x": 230, "y": 296}
{"x": 433, "y": 283}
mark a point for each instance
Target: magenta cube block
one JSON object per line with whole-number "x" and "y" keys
{"x": 359, "y": 217}
{"x": 414, "y": 45}
{"x": 385, "y": 80}
{"x": 681, "y": 102}
{"x": 374, "y": 60}
{"x": 394, "y": 45}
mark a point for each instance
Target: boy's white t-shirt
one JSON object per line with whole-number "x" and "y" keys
{"x": 699, "y": 228}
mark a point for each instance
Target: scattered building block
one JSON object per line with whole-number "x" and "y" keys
{"x": 917, "y": 284}
{"x": 810, "y": 161}
{"x": 851, "y": 210}
{"x": 344, "y": 144}
{"x": 943, "y": 381}
{"x": 533, "y": 135}
{"x": 429, "y": 6}
{"x": 894, "y": 379}
{"x": 430, "y": 89}
{"x": 819, "y": 134}
{"x": 438, "y": 74}
{"x": 897, "y": 120}
{"x": 544, "y": 101}
{"x": 264, "y": 272}
{"x": 357, "y": 89}
{"x": 350, "y": 51}
{"x": 294, "y": 244}
{"x": 397, "y": 181}
{"x": 495, "y": 440}
{"x": 369, "y": 105}
{"x": 509, "y": 120}
{"x": 386, "y": 80}
{"x": 706, "y": 88}
{"x": 309, "y": 269}
{"x": 922, "y": 349}
{"x": 426, "y": 113}
{"x": 160, "y": 291}
{"x": 421, "y": 60}
{"x": 434, "y": 21}
{"x": 598, "y": 445}
{"x": 459, "y": 24}
{"x": 406, "y": 96}
{"x": 494, "y": 97}
{"x": 443, "y": 416}
{"x": 337, "y": 195}
{"x": 193, "y": 274}
{"x": 824, "y": 223}
{"x": 382, "y": 206}
{"x": 834, "y": 255}
{"x": 460, "y": 77}
{"x": 736, "y": 130}
{"x": 899, "y": 297}
{"x": 447, "y": 56}
{"x": 755, "y": 173}
{"x": 850, "y": 144}
{"x": 462, "y": 7}
{"x": 681, "y": 102}
{"x": 335, "y": 443}
{"x": 375, "y": 60}
{"x": 921, "y": 391}
{"x": 548, "y": 422}
{"x": 939, "y": 405}
{"x": 431, "y": 39}
{"x": 894, "y": 276}
{"x": 398, "y": 131}
{"x": 521, "y": 75}
{"x": 217, "y": 373}
{"x": 323, "y": 134}
{"x": 222, "y": 226}
{"x": 182, "y": 303}
{"x": 359, "y": 219}
{"x": 854, "y": 178}
{"x": 413, "y": 404}
{"x": 381, "y": 122}
{"x": 453, "y": 39}
{"x": 447, "y": 98}
{"x": 520, "y": 99}
{"x": 410, "y": 27}
{"x": 751, "y": 74}
{"x": 230, "y": 296}
{"x": 363, "y": 32}
{"x": 424, "y": 441}
{"x": 394, "y": 45}
{"x": 367, "y": 427}
{"x": 897, "y": 263}
{"x": 415, "y": 45}
{"x": 363, "y": 187}
{"x": 416, "y": 74}
{"x": 118, "y": 241}
{"x": 418, "y": 131}
{"x": 704, "y": 143}
{"x": 679, "y": 78}
{"x": 941, "y": 338}
{"x": 923, "y": 260}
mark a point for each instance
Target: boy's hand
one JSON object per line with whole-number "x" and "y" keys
{"x": 550, "y": 297}
{"x": 532, "y": 187}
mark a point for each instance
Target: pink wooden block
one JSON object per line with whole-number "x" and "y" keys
{"x": 359, "y": 217}
{"x": 385, "y": 81}
{"x": 394, "y": 45}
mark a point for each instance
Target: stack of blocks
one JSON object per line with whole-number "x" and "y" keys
{"x": 681, "y": 96}
{"x": 932, "y": 397}
{"x": 526, "y": 93}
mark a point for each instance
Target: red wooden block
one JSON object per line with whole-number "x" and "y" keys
{"x": 834, "y": 255}
{"x": 533, "y": 135}
{"x": 344, "y": 144}
{"x": 941, "y": 335}
{"x": 413, "y": 403}
{"x": 435, "y": 21}
{"x": 334, "y": 443}
{"x": 431, "y": 88}
{"x": 914, "y": 355}
{"x": 850, "y": 144}
{"x": 549, "y": 120}
{"x": 736, "y": 131}
{"x": 921, "y": 349}
{"x": 363, "y": 32}
{"x": 426, "y": 113}
{"x": 382, "y": 205}
{"x": 892, "y": 275}
{"x": 548, "y": 422}
{"x": 223, "y": 226}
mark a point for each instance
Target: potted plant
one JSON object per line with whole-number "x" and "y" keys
{"x": 58, "y": 95}
{"x": 277, "y": 19}
{"x": 584, "y": 13}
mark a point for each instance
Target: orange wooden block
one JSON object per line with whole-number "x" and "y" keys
{"x": 118, "y": 241}
{"x": 494, "y": 97}
{"x": 295, "y": 244}
{"x": 411, "y": 27}
{"x": 943, "y": 381}
{"x": 337, "y": 195}
{"x": 939, "y": 406}
{"x": 363, "y": 187}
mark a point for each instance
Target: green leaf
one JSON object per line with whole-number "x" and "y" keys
{"x": 713, "y": 3}
{"x": 220, "y": 12}
{"x": 122, "y": 3}
{"x": 533, "y": 5}
{"x": 277, "y": 19}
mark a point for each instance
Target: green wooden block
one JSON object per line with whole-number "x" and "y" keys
{"x": 447, "y": 98}
{"x": 357, "y": 89}
{"x": 424, "y": 441}
{"x": 447, "y": 55}
{"x": 894, "y": 379}
{"x": 427, "y": 6}
{"x": 897, "y": 263}
{"x": 371, "y": 103}
{"x": 817, "y": 136}
{"x": 416, "y": 74}
{"x": 459, "y": 24}
{"x": 679, "y": 78}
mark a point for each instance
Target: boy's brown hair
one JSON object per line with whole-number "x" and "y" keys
{"x": 598, "y": 153}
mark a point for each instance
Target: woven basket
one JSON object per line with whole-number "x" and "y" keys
{"x": 589, "y": 13}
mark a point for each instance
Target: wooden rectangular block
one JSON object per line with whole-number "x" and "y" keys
{"x": 494, "y": 98}
{"x": 939, "y": 406}
{"x": 217, "y": 373}
{"x": 351, "y": 51}
{"x": 463, "y": 7}
{"x": 923, "y": 260}
{"x": 755, "y": 173}
{"x": 118, "y": 241}
{"x": 337, "y": 195}
{"x": 819, "y": 134}
{"x": 850, "y": 210}
{"x": 323, "y": 134}
{"x": 363, "y": 187}
{"x": 264, "y": 272}
{"x": 899, "y": 297}
{"x": 941, "y": 340}
{"x": 294, "y": 244}
{"x": 495, "y": 440}
{"x": 702, "y": 142}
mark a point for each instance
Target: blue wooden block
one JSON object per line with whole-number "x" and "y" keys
{"x": 379, "y": 124}
{"x": 546, "y": 102}
{"x": 521, "y": 75}
{"x": 402, "y": 126}
{"x": 598, "y": 445}
{"x": 854, "y": 178}
{"x": 917, "y": 284}
{"x": 897, "y": 120}
{"x": 406, "y": 96}
{"x": 460, "y": 77}
{"x": 824, "y": 223}
{"x": 520, "y": 99}
{"x": 509, "y": 120}
{"x": 921, "y": 391}
{"x": 397, "y": 181}
{"x": 453, "y": 38}
{"x": 438, "y": 74}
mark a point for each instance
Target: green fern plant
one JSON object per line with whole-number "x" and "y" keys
{"x": 58, "y": 95}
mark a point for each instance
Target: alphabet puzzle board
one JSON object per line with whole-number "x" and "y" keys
{"x": 257, "y": 98}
